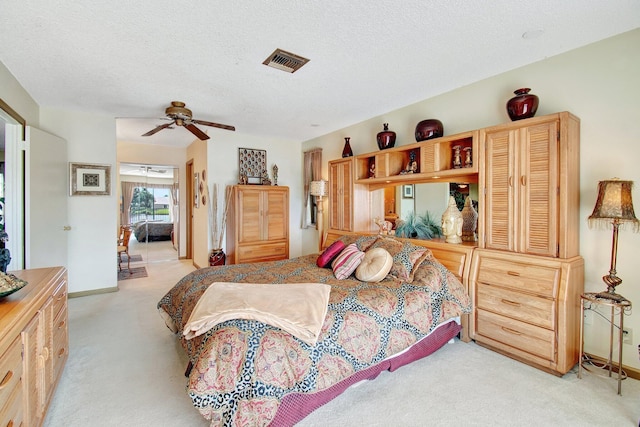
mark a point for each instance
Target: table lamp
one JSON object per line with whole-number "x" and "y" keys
{"x": 319, "y": 189}
{"x": 613, "y": 206}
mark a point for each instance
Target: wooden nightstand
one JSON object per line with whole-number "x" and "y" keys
{"x": 618, "y": 308}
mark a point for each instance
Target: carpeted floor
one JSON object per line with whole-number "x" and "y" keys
{"x": 126, "y": 369}
{"x": 134, "y": 258}
{"x": 134, "y": 273}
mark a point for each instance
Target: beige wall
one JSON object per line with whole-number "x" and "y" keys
{"x": 598, "y": 83}
{"x": 197, "y": 152}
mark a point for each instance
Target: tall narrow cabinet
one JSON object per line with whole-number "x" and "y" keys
{"x": 350, "y": 204}
{"x": 258, "y": 224}
{"x": 527, "y": 276}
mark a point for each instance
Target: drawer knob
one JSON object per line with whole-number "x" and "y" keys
{"x": 513, "y": 273}
{"x": 511, "y": 331}
{"x": 6, "y": 379}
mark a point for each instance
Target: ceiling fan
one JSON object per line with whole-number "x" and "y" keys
{"x": 181, "y": 116}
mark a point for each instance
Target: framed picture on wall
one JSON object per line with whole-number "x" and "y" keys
{"x": 407, "y": 191}
{"x": 252, "y": 164}
{"x": 86, "y": 179}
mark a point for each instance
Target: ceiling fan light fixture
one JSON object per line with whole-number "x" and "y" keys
{"x": 285, "y": 61}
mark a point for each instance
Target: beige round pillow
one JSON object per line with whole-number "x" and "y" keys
{"x": 375, "y": 265}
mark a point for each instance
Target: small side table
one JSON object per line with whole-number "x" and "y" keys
{"x": 618, "y": 308}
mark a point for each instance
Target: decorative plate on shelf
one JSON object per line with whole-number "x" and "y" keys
{"x": 10, "y": 284}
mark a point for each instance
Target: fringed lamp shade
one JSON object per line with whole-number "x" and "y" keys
{"x": 614, "y": 207}
{"x": 318, "y": 188}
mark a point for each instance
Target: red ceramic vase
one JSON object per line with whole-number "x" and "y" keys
{"x": 523, "y": 105}
{"x": 428, "y": 129}
{"x": 346, "y": 150}
{"x": 386, "y": 138}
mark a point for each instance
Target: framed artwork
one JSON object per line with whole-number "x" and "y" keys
{"x": 252, "y": 164}
{"x": 86, "y": 179}
{"x": 407, "y": 191}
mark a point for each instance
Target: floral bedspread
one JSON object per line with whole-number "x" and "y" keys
{"x": 242, "y": 369}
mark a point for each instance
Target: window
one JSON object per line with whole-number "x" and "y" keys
{"x": 312, "y": 172}
{"x": 150, "y": 204}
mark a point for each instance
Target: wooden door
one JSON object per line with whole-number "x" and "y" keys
{"x": 539, "y": 189}
{"x": 249, "y": 210}
{"x": 499, "y": 190}
{"x": 276, "y": 214}
{"x": 341, "y": 195}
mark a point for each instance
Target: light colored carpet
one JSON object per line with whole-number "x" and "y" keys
{"x": 126, "y": 369}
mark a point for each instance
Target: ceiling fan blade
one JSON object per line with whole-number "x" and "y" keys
{"x": 215, "y": 125}
{"x": 197, "y": 132}
{"x": 158, "y": 129}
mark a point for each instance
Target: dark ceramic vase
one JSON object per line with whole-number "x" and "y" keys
{"x": 386, "y": 138}
{"x": 346, "y": 151}
{"x": 428, "y": 129}
{"x": 217, "y": 257}
{"x": 523, "y": 105}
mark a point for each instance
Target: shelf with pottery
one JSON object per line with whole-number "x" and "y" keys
{"x": 451, "y": 158}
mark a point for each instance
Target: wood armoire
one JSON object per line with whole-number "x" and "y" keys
{"x": 258, "y": 224}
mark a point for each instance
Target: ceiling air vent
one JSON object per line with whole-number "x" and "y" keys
{"x": 285, "y": 61}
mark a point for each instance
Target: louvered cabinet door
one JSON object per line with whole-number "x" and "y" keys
{"x": 539, "y": 188}
{"x": 341, "y": 195}
{"x": 249, "y": 213}
{"x": 500, "y": 191}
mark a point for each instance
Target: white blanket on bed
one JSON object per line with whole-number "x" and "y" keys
{"x": 298, "y": 308}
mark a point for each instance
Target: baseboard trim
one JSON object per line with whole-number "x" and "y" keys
{"x": 631, "y": 372}
{"x": 92, "y": 292}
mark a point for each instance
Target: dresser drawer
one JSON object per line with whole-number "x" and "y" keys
{"x": 521, "y": 276}
{"x": 60, "y": 298}
{"x": 60, "y": 343}
{"x": 527, "y": 308}
{"x": 11, "y": 414}
{"x": 523, "y": 336}
{"x": 10, "y": 370}
{"x": 262, "y": 252}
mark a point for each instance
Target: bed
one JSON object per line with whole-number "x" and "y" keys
{"x": 248, "y": 373}
{"x": 152, "y": 231}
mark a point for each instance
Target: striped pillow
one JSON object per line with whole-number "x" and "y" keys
{"x": 347, "y": 261}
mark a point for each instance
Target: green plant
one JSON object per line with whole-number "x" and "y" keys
{"x": 423, "y": 227}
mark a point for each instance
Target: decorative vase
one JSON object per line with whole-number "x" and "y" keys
{"x": 452, "y": 222}
{"x": 386, "y": 138}
{"x": 346, "y": 151}
{"x": 428, "y": 129}
{"x": 469, "y": 221}
{"x": 523, "y": 105}
{"x": 217, "y": 257}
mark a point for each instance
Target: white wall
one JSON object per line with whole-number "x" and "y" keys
{"x": 223, "y": 169}
{"x": 90, "y": 139}
{"x": 599, "y": 84}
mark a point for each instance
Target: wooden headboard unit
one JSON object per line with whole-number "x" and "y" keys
{"x": 456, "y": 257}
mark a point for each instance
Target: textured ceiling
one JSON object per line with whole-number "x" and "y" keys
{"x": 131, "y": 58}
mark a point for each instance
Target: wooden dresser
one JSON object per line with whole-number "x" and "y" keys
{"x": 258, "y": 224}
{"x": 34, "y": 345}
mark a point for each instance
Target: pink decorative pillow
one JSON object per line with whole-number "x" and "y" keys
{"x": 347, "y": 261}
{"x": 330, "y": 253}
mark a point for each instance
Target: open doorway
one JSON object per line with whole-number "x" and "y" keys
{"x": 149, "y": 205}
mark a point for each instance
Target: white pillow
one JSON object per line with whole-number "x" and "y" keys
{"x": 375, "y": 265}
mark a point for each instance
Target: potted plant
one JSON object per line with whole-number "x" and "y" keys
{"x": 423, "y": 227}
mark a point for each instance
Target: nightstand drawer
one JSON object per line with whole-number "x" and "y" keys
{"x": 519, "y": 306}
{"x": 523, "y": 336}
{"x": 521, "y": 276}
{"x": 60, "y": 343}
{"x": 10, "y": 370}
